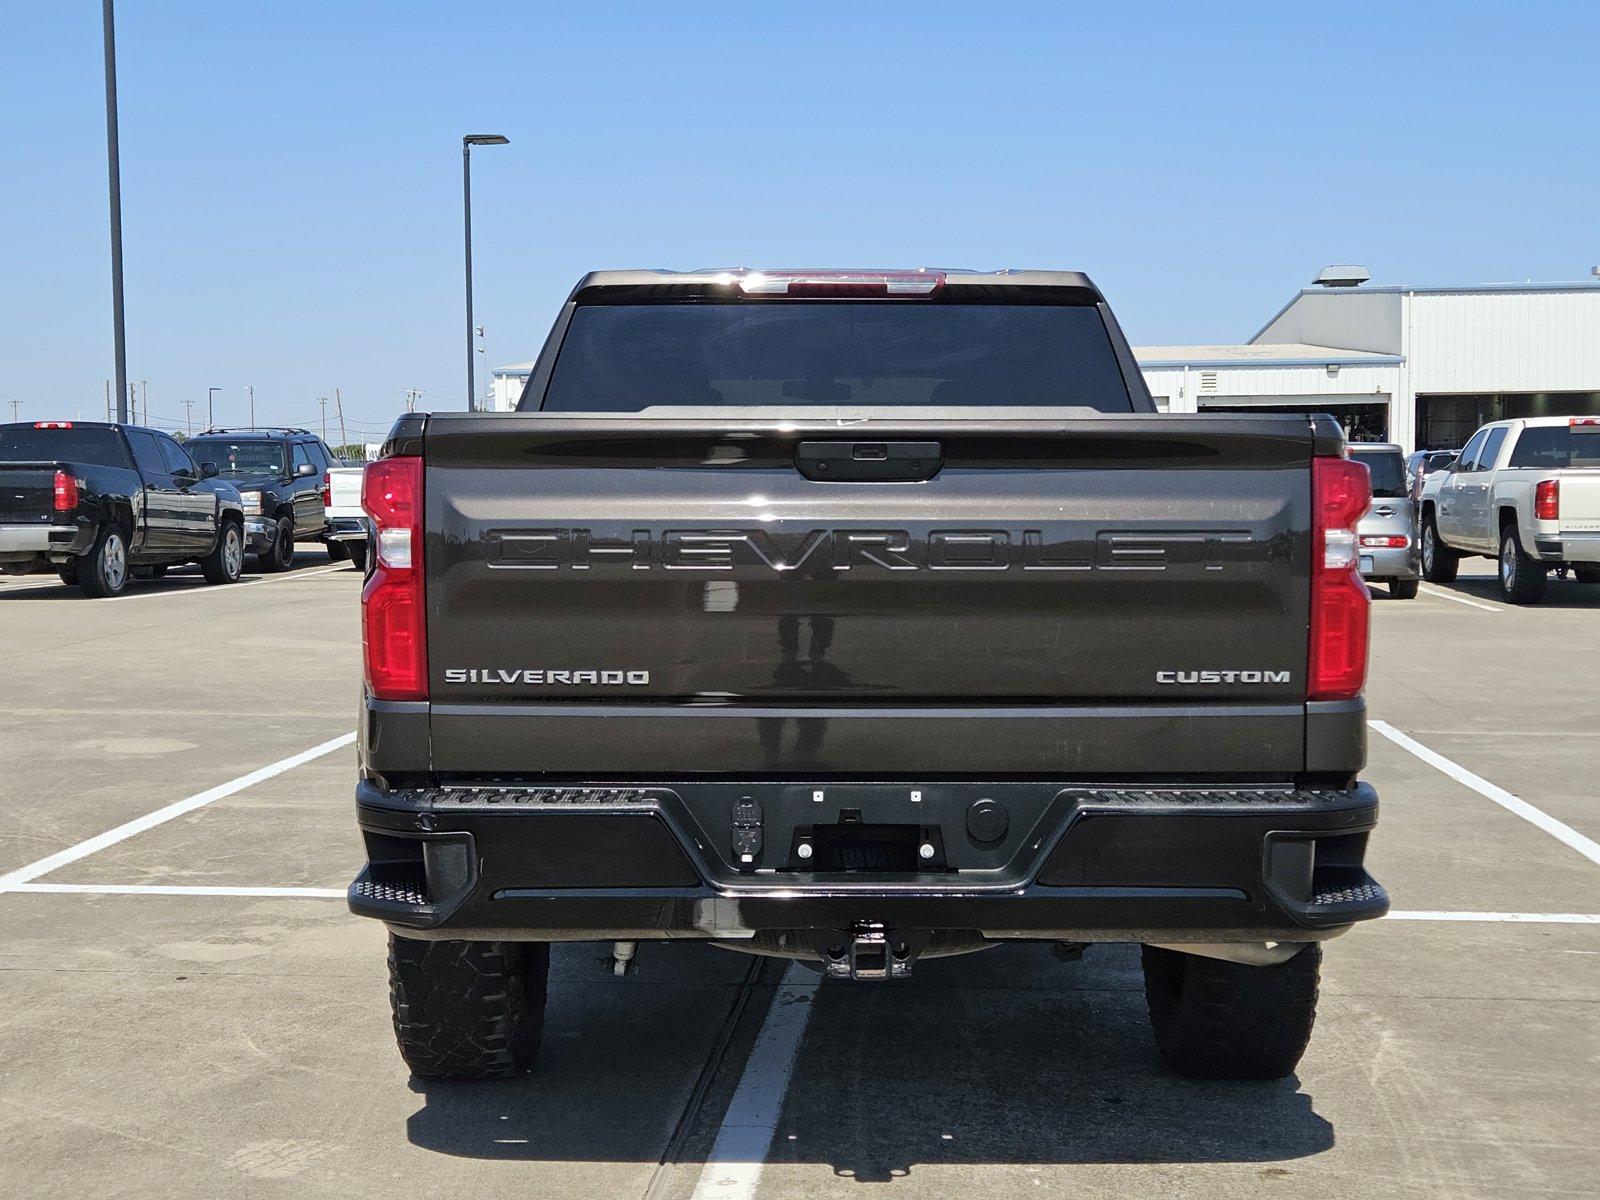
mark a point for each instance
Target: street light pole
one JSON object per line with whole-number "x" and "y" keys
{"x": 211, "y": 412}
{"x": 114, "y": 180}
{"x": 251, "y": 392}
{"x": 467, "y": 143}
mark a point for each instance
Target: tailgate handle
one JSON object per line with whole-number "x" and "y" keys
{"x": 869, "y": 462}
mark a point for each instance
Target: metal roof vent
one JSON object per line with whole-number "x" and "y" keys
{"x": 1342, "y": 275}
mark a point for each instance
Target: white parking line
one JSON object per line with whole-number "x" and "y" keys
{"x": 733, "y": 1168}
{"x": 207, "y": 590}
{"x": 1443, "y": 595}
{"x": 140, "y": 889}
{"x": 1559, "y": 830}
{"x": 162, "y": 815}
{"x": 1511, "y": 918}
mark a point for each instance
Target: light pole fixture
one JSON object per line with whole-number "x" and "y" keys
{"x": 211, "y": 412}
{"x": 114, "y": 180}
{"x": 467, "y": 143}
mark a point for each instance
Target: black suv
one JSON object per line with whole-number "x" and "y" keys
{"x": 282, "y": 475}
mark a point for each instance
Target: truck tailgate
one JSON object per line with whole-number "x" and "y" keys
{"x": 27, "y": 493}
{"x": 1580, "y": 500}
{"x": 1056, "y": 575}
{"x": 344, "y": 491}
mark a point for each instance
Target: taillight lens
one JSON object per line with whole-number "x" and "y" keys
{"x": 327, "y": 489}
{"x": 394, "y": 630}
{"x": 1384, "y": 541}
{"x": 1341, "y": 490}
{"x": 66, "y": 491}
{"x": 1547, "y": 500}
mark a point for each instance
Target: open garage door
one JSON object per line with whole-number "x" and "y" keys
{"x": 1446, "y": 422}
{"x": 1365, "y": 417}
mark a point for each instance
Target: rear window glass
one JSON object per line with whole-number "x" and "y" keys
{"x": 24, "y": 443}
{"x": 623, "y": 358}
{"x": 1388, "y": 469}
{"x": 1552, "y": 447}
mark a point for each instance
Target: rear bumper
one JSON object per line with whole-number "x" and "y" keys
{"x": 1091, "y": 864}
{"x": 347, "y": 529}
{"x": 1569, "y": 547}
{"x": 1398, "y": 563}
{"x": 21, "y": 542}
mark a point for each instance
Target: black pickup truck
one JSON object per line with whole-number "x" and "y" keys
{"x": 100, "y": 504}
{"x": 857, "y": 618}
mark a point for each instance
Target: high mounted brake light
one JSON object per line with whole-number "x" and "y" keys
{"x": 66, "y": 491}
{"x": 1584, "y": 424}
{"x": 840, "y": 284}
{"x": 1341, "y": 490}
{"x": 52, "y": 424}
{"x": 394, "y": 631}
{"x": 1547, "y": 500}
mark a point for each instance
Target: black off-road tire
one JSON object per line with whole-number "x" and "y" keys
{"x": 1586, "y": 574}
{"x": 468, "y": 1010}
{"x": 226, "y": 560}
{"x": 1403, "y": 589}
{"x": 281, "y": 556}
{"x": 336, "y": 550}
{"x": 1523, "y": 578}
{"x": 104, "y": 570}
{"x": 1439, "y": 562}
{"x": 358, "y": 555}
{"x": 1224, "y": 1020}
{"x": 67, "y": 572}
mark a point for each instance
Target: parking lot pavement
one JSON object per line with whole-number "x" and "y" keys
{"x": 213, "y": 1044}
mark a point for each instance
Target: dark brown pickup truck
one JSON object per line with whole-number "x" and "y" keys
{"x": 857, "y": 618}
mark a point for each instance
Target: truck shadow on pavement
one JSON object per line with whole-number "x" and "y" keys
{"x": 1559, "y": 593}
{"x": 1022, "y": 1060}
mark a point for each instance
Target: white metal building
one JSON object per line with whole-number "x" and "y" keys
{"x": 1422, "y": 366}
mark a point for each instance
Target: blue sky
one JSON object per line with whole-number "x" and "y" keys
{"x": 291, "y": 171}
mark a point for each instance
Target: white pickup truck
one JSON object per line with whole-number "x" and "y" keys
{"x": 347, "y": 520}
{"x": 1525, "y": 491}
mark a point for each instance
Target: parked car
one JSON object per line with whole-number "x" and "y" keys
{"x": 856, "y": 617}
{"x": 1422, "y": 463}
{"x": 1387, "y": 533}
{"x": 1526, "y": 492}
{"x": 101, "y": 503}
{"x": 347, "y": 520}
{"x": 282, "y": 474}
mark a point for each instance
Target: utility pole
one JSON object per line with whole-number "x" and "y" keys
{"x": 338, "y": 404}
{"x": 211, "y": 411}
{"x": 251, "y": 392}
{"x": 144, "y": 387}
{"x": 323, "y": 400}
{"x": 188, "y": 417}
{"x": 412, "y": 396}
{"x": 15, "y": 406}
{"x": 114, "y": 182}
{"x": 108, "y": 400}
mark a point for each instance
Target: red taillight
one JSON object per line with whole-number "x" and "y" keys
{"x": 52, "y": 424}
{"x": 1547, "y": 500}
{"x": 1382, "y": 541}
{"x": 394, "y": 631}
{"x": 840, "y": 284}
{"x": 327, "y": 489}
{"x": 66, "y": 491}
{"x": 1341, "y": 490}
